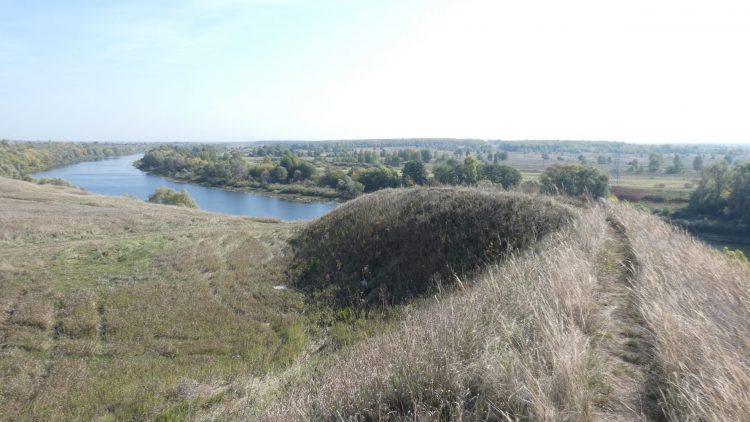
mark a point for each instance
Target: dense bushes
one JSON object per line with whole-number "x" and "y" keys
{"x": 211, "y": 166}
{"x": 167, "y": 196}
{"x": 18, "y": 159}
{"x": 471, "y": 171}
{"x": 575, "y": 179}
{"x": 503, "y": 175}
{"x": 394, "y": 244}
{"x": 376, "y": 178}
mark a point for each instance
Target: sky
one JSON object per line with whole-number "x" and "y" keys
{"x": 652, "y": 71}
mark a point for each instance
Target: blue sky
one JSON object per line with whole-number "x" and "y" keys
{"x": 230, "y": 70}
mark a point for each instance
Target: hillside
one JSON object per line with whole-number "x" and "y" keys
{"x": 114, "y": 309}
{"x": 396, "y": 244}
{"x": 616, "y": 317}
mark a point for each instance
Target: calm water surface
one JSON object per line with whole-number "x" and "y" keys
{"x": 117, "y": 176}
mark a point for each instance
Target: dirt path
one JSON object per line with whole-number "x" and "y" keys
{"x": 621, "y": 334}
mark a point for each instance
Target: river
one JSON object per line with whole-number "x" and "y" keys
{"x": 117, "y": 176}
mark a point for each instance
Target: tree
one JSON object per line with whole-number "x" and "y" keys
{"x": 500, "y": 156}
{"x": 279, "y": 174}
{"x": 167, "y": 196}
{"x": 738, "y": 202}
{"x": 601, "y": 159}
{"x": 634, "y": 167}
{"x": 677, "y": 167}
{"x": 575, "y": 179}
{"x": 710, "y": 197}
{"x": 331, "y": 177}
{"x": 470, "y": 170}
{"x": 448, "y": 174}
{"x": 655, "y": 162}
{"x": 501, "y": 174}
{"x": 582, "y": 159}
{"x": 415, "y": 172}
{"x": 426, "y": 155}
{"x": 376, "y": 178}
{"x": 348, "y": 188}
{"x": 299, "y": 169}
{"x": 698, "y": 162}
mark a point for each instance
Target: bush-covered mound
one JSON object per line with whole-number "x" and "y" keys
{"x": 397, "y": 243}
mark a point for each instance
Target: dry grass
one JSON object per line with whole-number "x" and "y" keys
{"x": 536, "y": 338}
{"x": 115, "y": 309}
{"x": 110, "y": 307}
{"x": 518, "y": 343}
{"x": 696, "y": 305}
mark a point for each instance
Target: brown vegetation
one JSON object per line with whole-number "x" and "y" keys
{"x": 696, "y": 305}
{"x": 109, "y": 307}
{"x": 399, "y": 243}
{"x": 620, "y": 317}
{"x": 115, "y": 309}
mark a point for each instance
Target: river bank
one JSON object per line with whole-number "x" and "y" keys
{"x": 117, "y": 176}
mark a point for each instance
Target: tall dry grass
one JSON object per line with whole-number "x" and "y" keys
{"x": 515, "y": 344}
{"x": 695, "y": 304}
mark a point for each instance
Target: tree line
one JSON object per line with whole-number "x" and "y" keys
{"x": 278, "y": 168}
{"x": 19, "y": 159}
{"x": 577, "y": 147}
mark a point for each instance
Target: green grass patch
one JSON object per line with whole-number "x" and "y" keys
{"x": 105, "y": 265}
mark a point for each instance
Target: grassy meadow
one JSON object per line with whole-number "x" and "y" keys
{"x": 112, "y": 308}
{"x": 483, "y": 305}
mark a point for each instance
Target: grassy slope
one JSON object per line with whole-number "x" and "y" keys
{"x": 150, "y": 309}
{"x": 696, "y": 305}
{"x": 394, "y": 244}
{"x": 110, "y": 307}
{"x": 619, "y": 317}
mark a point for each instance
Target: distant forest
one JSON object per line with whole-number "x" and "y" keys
{"x": 577, "y": 147}
{"x": 19, "y": 159}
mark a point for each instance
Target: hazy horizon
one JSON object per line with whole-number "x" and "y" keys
{"x": 263, "y": 70}
{"x": 219, "y": 142}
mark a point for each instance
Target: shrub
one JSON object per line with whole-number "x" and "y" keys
{"x": 53, "y": 181}
{"x": 575, "y": 179}
{"x": 736, "y": 254}
{"x": 348, "y": 188}
{"x": 167, "y": 196}
{"x": 376, "y": 178}
{"x": 504, "y": 175}
{"x": 398, "y": 243}
{"x": 331, "y": 177}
